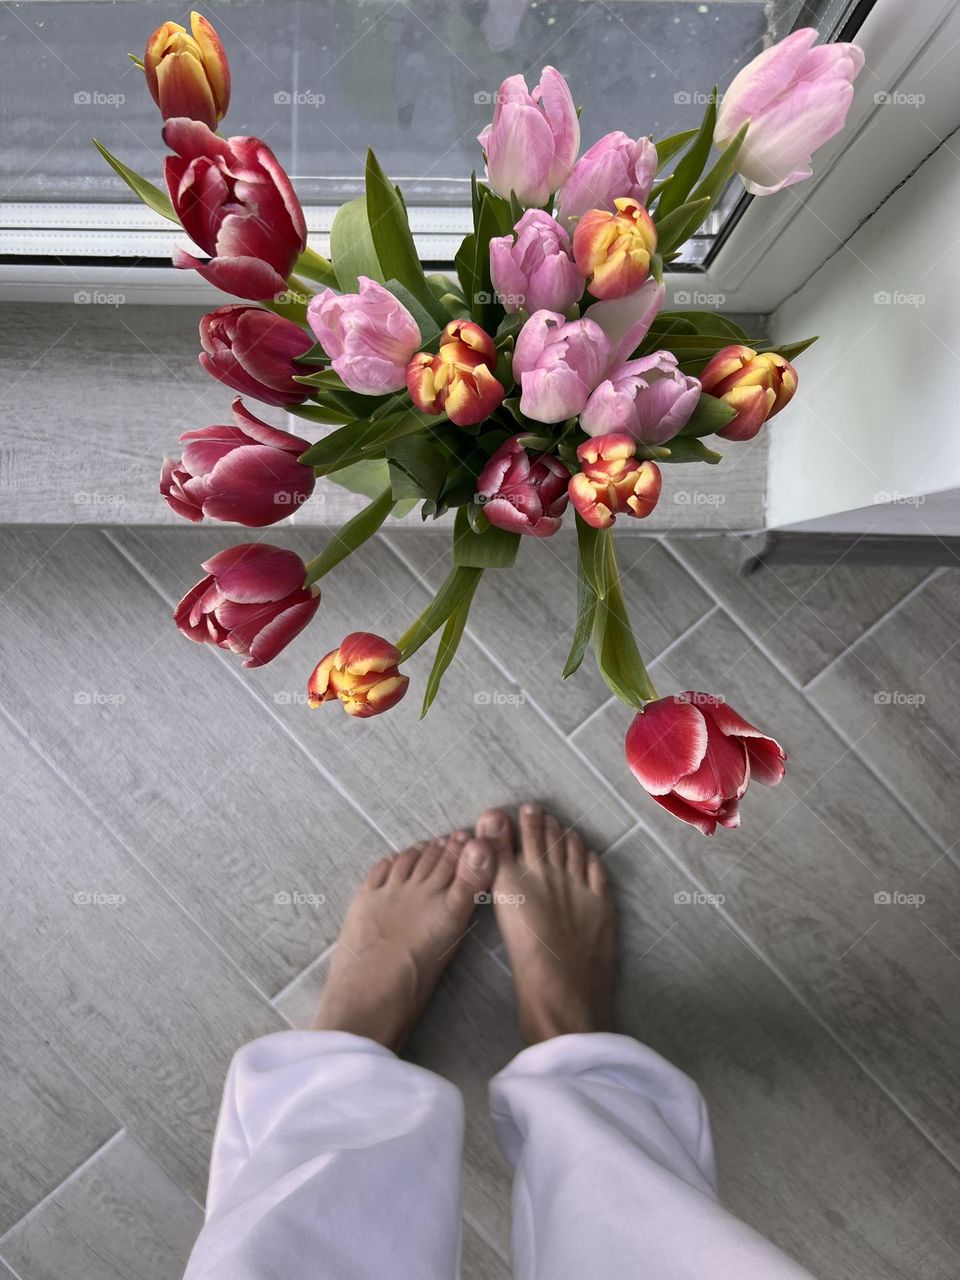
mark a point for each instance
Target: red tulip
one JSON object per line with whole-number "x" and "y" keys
{"x": 363, "y": 673}
{"x": 255, "y": 352}
{"x": 613, "y": 481}
{"x": 247, "y": 473}
{"x": 522, "y": 494}
{"x": 458, "y": 380}
{"x": 696, "y": 757}
{"x": 252, "y": 602}
{"x": 188, "y": 75}
{"x": 235, "y": 202}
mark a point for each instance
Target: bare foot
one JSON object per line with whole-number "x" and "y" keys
{"x": 402, "y": 928}
{"x": 555, "y": 913}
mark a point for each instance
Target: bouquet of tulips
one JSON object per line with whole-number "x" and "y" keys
{"x": 546, "y": 374}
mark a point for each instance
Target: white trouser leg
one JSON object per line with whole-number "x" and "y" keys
{"x": 332, "y": 1158}
{"x": 614, "y": 1170}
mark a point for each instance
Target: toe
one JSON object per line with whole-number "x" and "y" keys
{"x": 576, "y": 856}
{"x": 554, "y": 842}
{"x": 405, "y": 861}
{"x": 446, "y": 864}
{"x": 495, "y": 827}
{"x": 475, "y": 869}
{"x": 596, "y": 875}
{"x": 531, "y": 833}
{"x": 378, "y": 873}
{"x": 430, "y": 852}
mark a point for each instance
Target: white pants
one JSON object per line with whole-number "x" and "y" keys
{"x": 334, "y": 1159}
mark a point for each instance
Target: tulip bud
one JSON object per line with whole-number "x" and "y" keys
{"x": 614, "y": 249}
{"x": 649, "y": 399}
{"x": 252, "y": 602}
{"x": 188, "y": 75}
{"x": 615, "y": 166}
{"x": 458, "y": 380}
{"x": 248, "y": 473}
{"x": 255, "y": 352}
{"x": 534, "y": 269}
{"x": 370, "y": 336}
{"x": 756, "y": 385}
{"x": 534, "y": 138}
{"x": 613, "y": 481}
{"x": 363, "y": 673}
{"x": 521, "y": 494}
{"x": 696, "y": 757}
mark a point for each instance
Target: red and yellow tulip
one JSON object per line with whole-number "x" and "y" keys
{"x": 613, "y": 481}
{"x": 363, "y": 673}
{"x": 188, "y": 74}
{"x": 458, "y": 380}
{"x": 614, "y": 249}
{"x": 757, "y": 385}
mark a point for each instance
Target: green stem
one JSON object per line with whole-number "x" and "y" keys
{"x": 460, "y": 581}
{"x": 352, "y": 535}
{"x": 317, "y": 268}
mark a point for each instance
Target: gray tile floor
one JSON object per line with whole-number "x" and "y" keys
{"x": 157, "y": 800}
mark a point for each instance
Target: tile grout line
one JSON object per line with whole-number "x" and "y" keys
{"x": 297, "y": 977}
{"x": 853, "y": 746}
{"x": 875, "y": 625}
{"x": 732, "y": 924}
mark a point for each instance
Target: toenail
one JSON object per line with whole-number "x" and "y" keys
{"x": 493, "y": 822}
{"x": 530, "y": 808}
{"x": 461, "y": 835}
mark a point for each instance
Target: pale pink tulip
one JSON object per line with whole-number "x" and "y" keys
{"x": 615, "y": 166}
{"x": 533, "y": 139}
{"x": 370, "y": 336}
{"x": 648, "y": 399}
{"x": 534, "y": 268}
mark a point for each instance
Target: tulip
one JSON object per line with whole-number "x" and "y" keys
{"x": 615, "y": 166}
{"x": 558, "y": 364}
{"x": 756, "y": 385}
{"x": 522, "y": 494}
{"x": 247, "y": 473}
{"x": 252, "y": 602}
{"x": 188, "y": 75}
{"x": 648, "y": 399}
{"x": 255, "y": 352}
{"x": 696, "y": 757}
{"x": 363, "y": 673}
{"x": 370, "y": 336}
{"x": 613, "y": 481}
{"x": 237, "y": 204}
{"x": 458, "y": 380}
{"x": 795, "y": 98}
{"x": 535, "y": 270}
{"x": 533, "y": 141}
{"x": 614, "y": 249}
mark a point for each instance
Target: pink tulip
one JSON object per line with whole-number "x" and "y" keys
{"x": 696, "y": 757}
{"x": 648, "y": 399}
{"x": 255, "y": 352}
{"x": 363, "y": 673}
{"x": 534, "y": 268}
{"x": 613, "y": 481}
{"x": 522, "y": 494}
{"x": 795, "y": 97}
{"x": 235, "y": 202}
{"x": 558, "y": 363}
{"x": 369, "y": 335}
{"x": 252, "y": 602}
{"x": 615, "y": 166}
{"x": 247, "y": 473}
{"x": 533, "y": 140}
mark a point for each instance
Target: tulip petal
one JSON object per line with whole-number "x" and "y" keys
{"x": 276, "y": 635}
{"x": 705, "y": 823}
{"x": 625, "y": 321}
{"x": 666, "y": 742}
{"x": 254, "y": 572}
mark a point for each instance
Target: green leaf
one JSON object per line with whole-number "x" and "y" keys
{"x": 465, "y": 263}
{"x": 790, "y": 350}
{"x": 417, "y": 468}
{"x": 687, "y": 449}
{"x": 716, "y": 179}
{"x": 459, "y": 581}
{"x": 321, "y": 413}
{"x": 350, "y": 443}
{"x": 590, "y": 547}
{"x": 587, "y": 602}
{"x": 313, "y": 355}
{"x": 701, "y": 322}
{"x": 484, "y": 308}
{"x": 393, "y": 239}
{"x": 710, "y": 415}
{"x": 691, "y": 166}
{"x": 449, "y": 643}
{"x": 315, "y": 267}
{"x": 680, "y": 223}
{"x": 151, "y": 196}
{"x": 352, "y": 535}
{"x": 352, "y": 247}
{"x": 667, "y": 148}
{"x": 493, "y": 549}
{"x": 614, "y": 646}
{"x": 368, "y": 477}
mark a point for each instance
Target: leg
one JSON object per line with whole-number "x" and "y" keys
{"x": 332, "y": 1156}
{"x": 611, "y": 1144}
